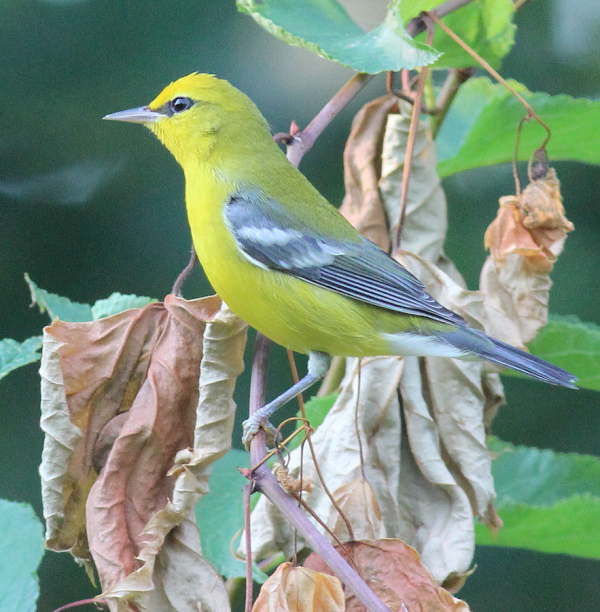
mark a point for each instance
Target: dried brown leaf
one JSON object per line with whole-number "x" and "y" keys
{"x": 127, "y": 409}
{"x": 362, "y": 205}
{"x": 133, "y": 484}
{"x": 358, "y": 503}
{"x": 299, "y": 589}
{"x": 394, "y": 572}
{"x": 172, "y": 569}
{"x": 532, "y": 224}
{"x": 103, "y": 365}
{"x": 524, "y": 241}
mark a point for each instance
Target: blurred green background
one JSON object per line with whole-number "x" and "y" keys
{"x": 88, "y": 208}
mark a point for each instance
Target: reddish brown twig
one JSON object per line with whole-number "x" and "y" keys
{"x": 305, "y": 139}
{"x": 248, "y": 535}
{"x": 313, "y": 453}
{"x": 184, "y": 274}
{"x": 410, "y": 142}
{"x": 531, "y": 114}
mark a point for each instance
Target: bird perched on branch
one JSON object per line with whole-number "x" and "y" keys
{"x": 285, "y": 260}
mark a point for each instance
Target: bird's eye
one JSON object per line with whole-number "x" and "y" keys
{"x": 178, "y": 105}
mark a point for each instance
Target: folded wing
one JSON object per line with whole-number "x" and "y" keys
{"x": 270, "y": 237}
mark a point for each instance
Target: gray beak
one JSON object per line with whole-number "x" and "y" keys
{"x": 141, "y": 114}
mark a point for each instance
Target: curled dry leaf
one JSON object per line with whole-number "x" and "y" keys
{"x": 124, "y": 415}
{"x": 290, "y": 484}
{"x": 300, "y": 589}
{"x": 532, "y": 224}
{"x": 394, "y": 571}
{"x": 175, "y": 570}
{"x": 524, "y": 240}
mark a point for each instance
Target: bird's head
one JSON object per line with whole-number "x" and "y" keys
{"x": 191, "y": 114}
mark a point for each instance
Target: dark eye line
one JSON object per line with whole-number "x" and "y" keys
{"x": 175, "y": 106}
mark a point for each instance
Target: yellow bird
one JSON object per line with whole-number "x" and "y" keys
{"x": 285, "y": 260}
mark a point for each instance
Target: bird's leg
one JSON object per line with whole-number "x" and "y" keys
{"x": 318, "y": 364}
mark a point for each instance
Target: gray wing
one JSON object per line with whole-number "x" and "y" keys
{"x": 269, "y": 237}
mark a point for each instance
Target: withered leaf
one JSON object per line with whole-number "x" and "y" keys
{"x": 362, "y": 205}
{"x": 394, "y": 572}
{"x": 358, "y": 503}
{"x": 127, "y": 408}
{"x": 299, "y": 589}
{"x": 174, "y": 576}
{"x": 532, "y": 224}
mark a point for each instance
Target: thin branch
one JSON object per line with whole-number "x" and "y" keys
{"x": 313, "y": 453}
{"x": 184, "y": 273}
{"x": 531, "y": 114}
{"x": 410, "y": 146}
{"x": 323, "y": 524}
{"x": 248, "y": 534}
{"x": 258, "y": 446}
{"x": 410, "y": 142}
{"x": 305, "y": 139}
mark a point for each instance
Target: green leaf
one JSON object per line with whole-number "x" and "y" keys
{"x": 485, "y": 25}
{"x": 58, "y": 306}
{"x": 481, "y": 127}
{"x": 220, "y": 516}
{"x": 573, "y": 345}
{"x": 549, "y": 502}
{"x": 568, "y": 527}
{"x": 15, "y": 354}
{"x": 118, "y": 302}
{"x": 325, "y": 28}
{"x": 21, "y": 550}
{"x": 542, "y": 477}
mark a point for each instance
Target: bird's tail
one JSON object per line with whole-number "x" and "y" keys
{"x": 473, "y": 341}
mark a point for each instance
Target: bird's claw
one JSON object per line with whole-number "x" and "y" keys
{"x": 252, "y": 425}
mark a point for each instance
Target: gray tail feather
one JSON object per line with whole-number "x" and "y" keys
{"x": 473, "y": 341}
